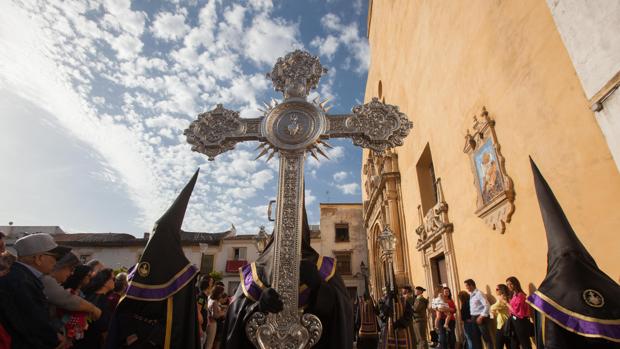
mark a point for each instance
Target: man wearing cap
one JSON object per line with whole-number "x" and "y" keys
{"x": 24, "y": 309}
{"x": 420, "y": 305}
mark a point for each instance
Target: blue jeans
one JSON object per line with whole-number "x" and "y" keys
{"x": 447, "y": 339}
{"x": 472, "y": 335}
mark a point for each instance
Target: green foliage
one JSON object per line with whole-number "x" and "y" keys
{"x": 216, "y": 275}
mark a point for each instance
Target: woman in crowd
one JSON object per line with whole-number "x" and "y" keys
{"x": 95, "y": 266}
{"x": 219, "y": 332}
{"x": 68, "y": 311}
{"x": 78, "y": 279}
{"x": 446, "y": 322}
{"x": 202, "y": 303}
{"x": 500, "y": 312}
{"x": 521, "y": 327}
{"x": 96, "y": 292}
{"x": 120, "y": 287}
{"x": 470, "y": 329}
{"x": 215, "y": 313}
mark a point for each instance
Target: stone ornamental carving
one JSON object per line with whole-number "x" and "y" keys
{"x": 435, "y": 222}
{"x": 293, "y": 128}
{"x": 494, "y": 188}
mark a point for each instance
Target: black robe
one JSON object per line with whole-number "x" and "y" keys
{"x": 330, "y": 302}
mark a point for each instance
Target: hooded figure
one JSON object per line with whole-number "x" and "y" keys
{"x": 366, "y": 320}
{"x": 322, "y": 293}
{"x": 578, "y": 304}
{"x": 159, "y": 309}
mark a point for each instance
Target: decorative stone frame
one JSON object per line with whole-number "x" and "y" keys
{"x": 497, "y": 211}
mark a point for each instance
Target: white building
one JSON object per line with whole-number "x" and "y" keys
{"x": 340, "y": 234}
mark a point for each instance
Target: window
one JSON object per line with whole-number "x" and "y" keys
{"x": 206, "y": 263}
{"x": 427, "y": 180}
{"x": 239, "y": 253}
{"x": 232, "y": 287}
{"x": 343, "y": 262}
{"x": 342, "y": 232}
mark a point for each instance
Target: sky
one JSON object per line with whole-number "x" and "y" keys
{"x": 95, "y": 95}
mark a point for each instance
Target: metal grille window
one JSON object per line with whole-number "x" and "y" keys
{"x": 343, "y": 262}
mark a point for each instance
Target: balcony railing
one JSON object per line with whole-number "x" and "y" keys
{"x": 233, "y": 265}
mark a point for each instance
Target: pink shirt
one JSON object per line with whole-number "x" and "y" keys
{"x": 519, "y": 309}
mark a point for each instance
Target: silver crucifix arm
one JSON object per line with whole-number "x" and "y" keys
{"x": 374, "y": 125}
{"x": 219, "y": 130}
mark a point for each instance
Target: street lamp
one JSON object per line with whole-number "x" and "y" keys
{"x": 387, "y": 241}
{"x": 364, "y": 269}
{"x": 261, "y": 239}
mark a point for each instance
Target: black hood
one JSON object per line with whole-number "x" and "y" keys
{"x": 163, "y": 268}
{"x": 575, "y": 293}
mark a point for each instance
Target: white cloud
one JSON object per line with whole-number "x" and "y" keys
{"x": 260, "y": 178}
{"x": 309, "y": 198}
{"x": 167, "y": 121}
{"x": 340, "y": 176}
{"x": 346, "y": 36}
{"x": 123, "y": 17}
{"x": 169, "y": 26}
{"x": 335, "y": 154}
{"x": 126, "y": 46}
{"x": 131, "y": 100}
{"x": 268, "y": 38}
{"x": 327, "y": 47}
{"x": 349, "y": 188}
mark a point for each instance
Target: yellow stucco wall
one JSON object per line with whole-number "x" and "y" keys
{"x": 441, "y": 61}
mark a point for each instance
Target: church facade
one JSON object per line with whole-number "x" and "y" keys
{"x": 487, "y": 84}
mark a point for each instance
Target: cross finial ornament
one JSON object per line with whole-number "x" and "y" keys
{"x": 291, "y": 129}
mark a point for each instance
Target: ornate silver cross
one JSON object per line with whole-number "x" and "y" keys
{"x": 293, "y": 128}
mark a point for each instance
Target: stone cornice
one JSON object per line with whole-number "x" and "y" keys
{"x": 374, "y": 195}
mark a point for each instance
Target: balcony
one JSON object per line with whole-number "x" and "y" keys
{"x": 233, "y": 265}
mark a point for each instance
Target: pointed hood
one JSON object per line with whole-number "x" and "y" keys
{"x": 575, "y": 294}
{"x": 163, "y": 268}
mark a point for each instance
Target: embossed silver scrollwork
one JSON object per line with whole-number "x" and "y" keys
{"x": 378, "y": 126}
{"x": 298, "y": 69}
{"x": 314, "y": 327}
{"x": 251, "y": 328}
{"x": 219, "y": 130}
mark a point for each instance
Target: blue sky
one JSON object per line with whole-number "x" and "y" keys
{"x": 95, "y": 95}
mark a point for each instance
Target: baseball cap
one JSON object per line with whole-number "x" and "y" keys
{"x": 39, "y": 243}
{"x": 420, "y": 288}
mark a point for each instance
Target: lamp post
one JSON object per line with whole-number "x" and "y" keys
{"x": 261, "y": 239}
{"x": 364, "y": 269}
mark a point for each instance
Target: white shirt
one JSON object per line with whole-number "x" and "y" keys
{"x": 438, "y": 303}
{"x": 478, "y": 304}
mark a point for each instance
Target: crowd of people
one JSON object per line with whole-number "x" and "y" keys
{"x": 509, "y": 315}
{"x": 212, "y": 303}
{"x": 49, "y": 299}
